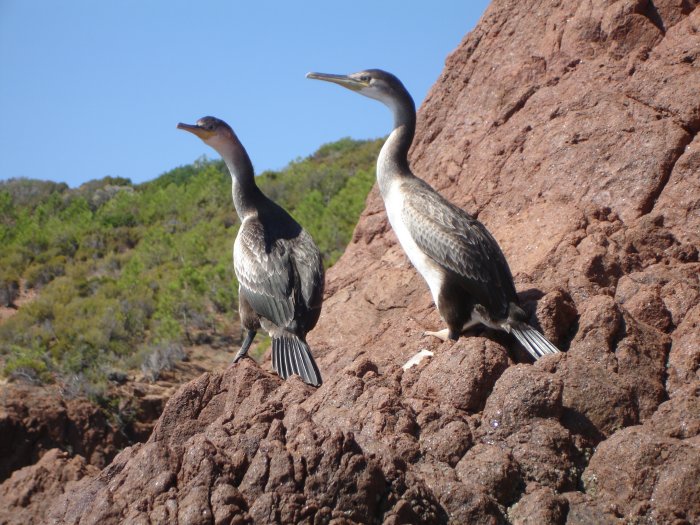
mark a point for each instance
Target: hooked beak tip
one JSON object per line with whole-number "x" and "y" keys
{"x": 192, "y": 128}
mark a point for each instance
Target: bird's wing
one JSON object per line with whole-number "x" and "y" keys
{"x": 309, "y": 267}
{"x": 307, "y": 260}
{"x": 265, "y": 274}
{"x": 461, "y": 244}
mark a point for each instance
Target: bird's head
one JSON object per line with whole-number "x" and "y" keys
{"x": 372, "y": 83}
{"x": 213, "y": 131}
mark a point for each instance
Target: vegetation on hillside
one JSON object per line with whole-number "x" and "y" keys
{"x": 127, "y": 275}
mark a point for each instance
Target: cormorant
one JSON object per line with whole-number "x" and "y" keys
{"x": 467, "y": 273}
{"x": 278, "y": 265}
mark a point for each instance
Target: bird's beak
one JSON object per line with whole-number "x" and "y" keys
{"x": 195, "y": 129}
{"x": 342, "y": 80}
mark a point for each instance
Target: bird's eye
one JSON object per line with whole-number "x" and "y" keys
{"x": 365, "y": 78}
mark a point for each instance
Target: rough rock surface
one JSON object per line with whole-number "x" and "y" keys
{"x": 30, "y": 492}
{"x": 571, "y": 129}
{"x": 34, "y": 420}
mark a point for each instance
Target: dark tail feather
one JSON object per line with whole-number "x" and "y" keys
{"x": 533, "y": 341}
{"x": 291, "y": 355}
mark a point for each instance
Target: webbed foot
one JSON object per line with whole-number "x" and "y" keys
{"x": 443, "y": 334}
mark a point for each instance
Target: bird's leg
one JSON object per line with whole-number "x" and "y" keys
{"x": 443, "y": 335}
{"x": 243, "y": 352}
{"x": 446, "y": 333}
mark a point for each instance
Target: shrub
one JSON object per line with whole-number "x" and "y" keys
{"x": 27, "y": 364}
{"x": 38, "y": 275}
{"x": 161, "y": 356}
{"x": 9, "y": 286}
{"x": 81, "y": 385}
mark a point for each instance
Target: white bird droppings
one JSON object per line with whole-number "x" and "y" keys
{"x": 416, "y": 359}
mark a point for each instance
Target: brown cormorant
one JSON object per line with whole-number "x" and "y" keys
{"x": 467, "y": 273}
{"x": 277, "y": 263}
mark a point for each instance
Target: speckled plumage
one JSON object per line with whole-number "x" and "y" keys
{"x": 465, "y": 269}
{"x": 277, "y": 263}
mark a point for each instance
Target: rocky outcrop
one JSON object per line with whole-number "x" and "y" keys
{"x": 34, "y": 420}
{"x": 570, "y": 129}
{"x": 652, "y": 470}
{"x": 29, "y": 493}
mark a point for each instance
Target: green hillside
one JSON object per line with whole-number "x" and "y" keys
{"x": 126, "y": 276}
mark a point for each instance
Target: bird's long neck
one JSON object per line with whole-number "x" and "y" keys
{"x": 246, "y": 194}
{"x": 392, "y": 162}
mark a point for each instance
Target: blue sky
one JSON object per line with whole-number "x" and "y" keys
{"x": 89, "y": 89}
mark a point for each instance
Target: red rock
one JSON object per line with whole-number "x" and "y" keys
{"x": 491, "y": 470}
{"x": 34, "y": 420}
{"x": 647, "y": 475}
{"x": 545, "y": 453}
{"x": 679, "y": 417}
{"x": 585, "y": 510}
{"x": 482, "y": 362}
{"x": 27, "y": 496}
{"x": 684, "y": 357}
{"x": 540, "y": 506}
{"x": 600, "y": 325}
{"x": 595, "y": 402}
{"x": 557, "y": 315}
{"x": 523, "y": 393}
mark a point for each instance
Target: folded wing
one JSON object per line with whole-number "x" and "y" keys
{"x": 460, "y": 244}
{"x": 265, "y": 274}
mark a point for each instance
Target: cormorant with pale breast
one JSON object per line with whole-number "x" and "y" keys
{"x": 465, "y": 269}
{"x": 277, "y": 263}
